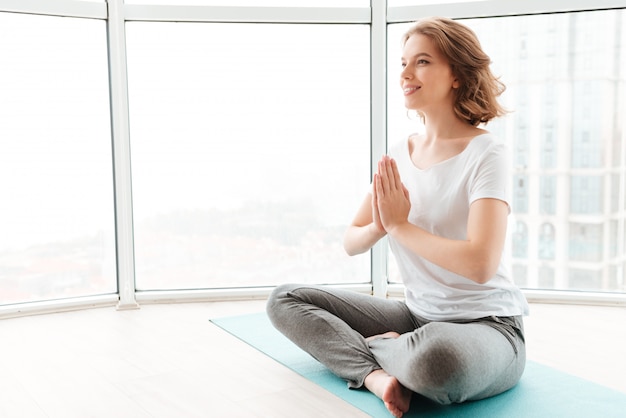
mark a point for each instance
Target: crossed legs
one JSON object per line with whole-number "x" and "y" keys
{"x": 378, "y": 343}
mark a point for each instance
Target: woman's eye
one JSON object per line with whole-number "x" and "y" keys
{"x": 421, "y": 62}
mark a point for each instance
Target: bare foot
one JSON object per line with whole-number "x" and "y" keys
{"x": 396, "y": 397}
{"x": 390, "y": 334}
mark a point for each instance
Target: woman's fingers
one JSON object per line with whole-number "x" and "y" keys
{"x": 378, "y": 187}
{"x": 391, "y": 196}
{"x": 383, "y": 177}
{"x": 406, "y": 192}
{"x": 389, "y": 174}
{"x": 397, "y": 182}
{"x": 375, "y": 213}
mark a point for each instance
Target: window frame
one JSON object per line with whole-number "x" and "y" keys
{"x": 378, "y": 16}
{"x": 74, "y": 9}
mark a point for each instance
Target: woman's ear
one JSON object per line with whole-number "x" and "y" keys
{"x": 455, "y": 83}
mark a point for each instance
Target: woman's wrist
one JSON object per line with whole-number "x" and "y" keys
{"x": 376, "y": 232}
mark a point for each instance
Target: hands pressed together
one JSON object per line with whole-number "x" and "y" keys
{"x": 390, "y": 199}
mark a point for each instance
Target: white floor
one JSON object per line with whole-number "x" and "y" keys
{"x": 170, "y": 361}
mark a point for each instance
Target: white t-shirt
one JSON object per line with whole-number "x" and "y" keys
{"x": 440, "y": 199}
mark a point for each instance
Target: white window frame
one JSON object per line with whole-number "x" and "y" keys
{"x": 116, "y": 13}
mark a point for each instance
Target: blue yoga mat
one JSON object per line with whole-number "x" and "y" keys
{"x": 542, "y": 391}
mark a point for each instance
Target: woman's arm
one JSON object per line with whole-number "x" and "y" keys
{"x": 476, "y": 258}
{"x": 364, "y": 232}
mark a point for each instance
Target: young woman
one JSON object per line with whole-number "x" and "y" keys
{"x": 441, "y": 199}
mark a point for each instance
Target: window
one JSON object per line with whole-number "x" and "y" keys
{"x": 520, "y": 275}
{"x": 548, "y": 153}
{"x": 616, "y": 278}
{"x": 521, "y": 147}
{"x": 253, "y": 3}
{"x": 546, "y": 279}
{"x": 55, "y": 160}
{"x": 613, "y": 238}
{"x": 586, "y": 194}
{"x": 250, "y": 152}
{"x": 287, "y": 105}
{"x": 520, "y": 240}
{"x": 547, "y": 242}
{"x": 616, "y": 189}
{"x": 585, "y": 242}
{"x": 548, "y": 195}
{"x": 583, "y": 279}
{"x": 590, "y": 138}
{"x": 564, "y": 130}
{"x": 520, "y": 196}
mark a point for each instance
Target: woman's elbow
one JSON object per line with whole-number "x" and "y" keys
{"x": 348, "y": 244}
{"x": 351, "y": 248}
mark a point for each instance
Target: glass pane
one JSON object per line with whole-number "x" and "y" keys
{"x": 256, "y": 3}
{"x": 566, "y": 90}
{"x": 55, "y": 159}
{"x": 250, "y": 149}
{"x": 398, "y": 3}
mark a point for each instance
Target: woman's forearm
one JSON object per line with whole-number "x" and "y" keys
{"x": 467, "y": 258}
{"x": 359, "y": 239}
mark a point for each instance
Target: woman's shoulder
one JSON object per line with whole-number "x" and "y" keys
{"x": 485, "y": 136}
{"x": 487, "y": 140}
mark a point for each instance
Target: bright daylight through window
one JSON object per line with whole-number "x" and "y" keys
{"x": 55, "y": 159}
{"x": 251, "y": 143}
{"x": 250, "y": 150}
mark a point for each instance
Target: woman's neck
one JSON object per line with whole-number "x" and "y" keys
{"x": 443, "y": 128}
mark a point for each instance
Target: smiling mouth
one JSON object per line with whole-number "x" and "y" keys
{"x": 410, "y": 90}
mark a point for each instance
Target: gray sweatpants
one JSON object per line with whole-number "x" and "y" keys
{"x": 445, "y": 361}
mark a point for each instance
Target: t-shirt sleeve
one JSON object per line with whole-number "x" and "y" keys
{"x": 491, "y": 178}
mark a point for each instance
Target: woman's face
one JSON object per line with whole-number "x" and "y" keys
{"x": 426, "y": 78}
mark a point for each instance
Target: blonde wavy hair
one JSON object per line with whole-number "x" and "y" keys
{"x": 476, "y": 97}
